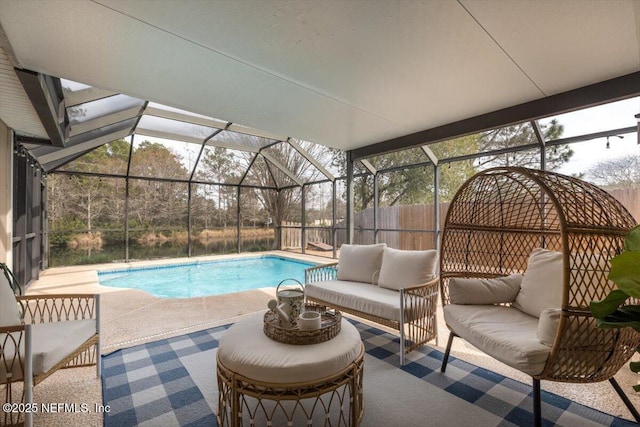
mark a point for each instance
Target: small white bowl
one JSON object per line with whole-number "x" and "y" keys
{"x": 309, "y": 321}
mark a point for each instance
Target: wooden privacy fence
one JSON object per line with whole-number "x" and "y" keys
{"x": 630, "y": 199}
{"x": 417, "y": 221}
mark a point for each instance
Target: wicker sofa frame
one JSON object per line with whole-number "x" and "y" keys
{"x": 495, "y": 221}
{"x": 414, "y": 332}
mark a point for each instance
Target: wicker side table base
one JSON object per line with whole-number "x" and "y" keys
{"x": 332, "y": 401}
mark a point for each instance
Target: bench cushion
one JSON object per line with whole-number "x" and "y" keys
{"x": 504, "y": 333}
{"x": 401, "y": 268}
{"x": 359, "y": 263}
{"x": 358, "y": 296}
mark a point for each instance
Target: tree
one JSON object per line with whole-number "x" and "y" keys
{"x": 412, "y": 185}
{"x": 520, "y": 135}
{"x": 619, "y": 172}
{"x": 284, "y": 205}
{"x": 454, "y": 174}
{"x": 108, "y": 158}
{"x": 88, "y": 201}
{"x": 155, "y": 203}
{"x": 220, "y": 165}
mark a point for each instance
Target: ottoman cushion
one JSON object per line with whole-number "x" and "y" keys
{"x": 247, "y": 351}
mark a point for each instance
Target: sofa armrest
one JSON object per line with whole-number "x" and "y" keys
{"x": 12, "y": 366}
{"x": 425, "y": 294}
{"x": 418, "y": 322}
{"x": 432, "y": 286}
{"x": 59, "y": 307}
{"x": 321, "y": 273}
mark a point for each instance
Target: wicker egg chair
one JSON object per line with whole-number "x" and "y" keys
{"x": 495, "y": 221}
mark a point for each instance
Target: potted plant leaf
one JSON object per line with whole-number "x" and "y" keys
{"x": 625, "y": 273}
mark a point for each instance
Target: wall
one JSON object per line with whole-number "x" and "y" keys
{"x": 6, "y": 195}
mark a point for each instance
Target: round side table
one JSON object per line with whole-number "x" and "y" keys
{"x": 265, "y": 382}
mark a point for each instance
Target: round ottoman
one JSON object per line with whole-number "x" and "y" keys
{"x": 265, "y": 382}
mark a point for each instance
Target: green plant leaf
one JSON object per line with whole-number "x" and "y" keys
{"x": 634, "y": 366}
{"x": 620, "y": 318}
{"x": 636, "y": 388}
{"x": 625, "y": 272}
{"x": 634, "y": 309}
{"x": 632, "y": 241}
{"x": 612, "y": 324}
{"x": 601, "y": 309}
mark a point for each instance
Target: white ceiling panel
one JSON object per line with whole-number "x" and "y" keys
{"x": 88, "y": 43}
{"x": 344, "y": 74}
{"x": 565, "y": 44}
{"x": 417, "y": 65}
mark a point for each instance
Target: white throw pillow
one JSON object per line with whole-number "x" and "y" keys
{"x": 484, "y": 291}
{"x": 9, "y": 313}
{"x": 358, "y": 263}
{"x": 541, "y": 286}
{"x": 548, "y": 325}
{"x": 583, "y": 335}
{"x": 401, "y": 268}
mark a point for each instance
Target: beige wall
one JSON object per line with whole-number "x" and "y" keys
{"x": 6, "y": 195}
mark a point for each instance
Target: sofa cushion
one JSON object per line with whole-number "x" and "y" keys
{"x": 484, "y": 291}
{"x": 358, "y": 296}
{"x": 505, "y": 333}
{"x": 359, "y": 263}
{"x": 402, "y": 268}
{"x": 9, "y": 313}
{"x": 542, "y": 283}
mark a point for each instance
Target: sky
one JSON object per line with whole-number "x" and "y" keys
{"x": 611, "y": 116}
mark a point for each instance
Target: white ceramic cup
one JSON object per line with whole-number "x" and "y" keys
{"x": 309, "y": 321}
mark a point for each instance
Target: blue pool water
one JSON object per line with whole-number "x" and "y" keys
{"x": 208, "y": 278}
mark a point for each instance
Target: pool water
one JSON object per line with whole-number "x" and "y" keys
{"x": 208, "y": 278}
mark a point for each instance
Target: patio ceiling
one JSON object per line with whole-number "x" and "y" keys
{"x": 352, "y": 75}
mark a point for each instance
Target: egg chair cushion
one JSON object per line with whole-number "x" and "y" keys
{"x": 542, "y": 282}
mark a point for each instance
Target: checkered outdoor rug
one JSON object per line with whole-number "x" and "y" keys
{"x": 150, "y": 384}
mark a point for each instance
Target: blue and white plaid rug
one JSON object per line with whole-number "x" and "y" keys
{"x": 172, "y": 382}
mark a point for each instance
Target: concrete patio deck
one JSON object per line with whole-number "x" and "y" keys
{"x": 131, "y": 317}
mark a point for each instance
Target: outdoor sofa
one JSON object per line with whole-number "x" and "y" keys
{"x": 392, "y": 287}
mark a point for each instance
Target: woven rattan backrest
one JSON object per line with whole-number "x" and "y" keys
{"x": 500, "y": 215}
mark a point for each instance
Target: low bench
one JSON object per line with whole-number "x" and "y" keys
{"x": 391, "y": 287}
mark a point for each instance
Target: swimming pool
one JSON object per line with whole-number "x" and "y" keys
{"x": 206, "y": 278}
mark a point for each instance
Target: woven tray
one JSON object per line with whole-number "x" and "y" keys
{"x": 331, "y": 323}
